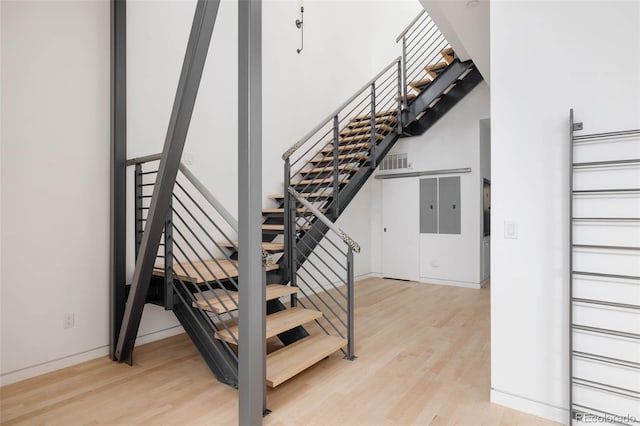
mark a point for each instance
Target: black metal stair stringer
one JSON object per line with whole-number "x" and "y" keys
{"x": 223, "y": 365}
{"x": 411, "y": 127}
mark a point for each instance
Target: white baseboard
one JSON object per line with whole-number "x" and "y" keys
{"x": 80, "y": 357}
{"x": 453, "y": 283}
{"x": 530, "y": 406}
{"x": 367, "y": 275}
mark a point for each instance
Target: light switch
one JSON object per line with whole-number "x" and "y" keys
{"x": 510, "y": 230}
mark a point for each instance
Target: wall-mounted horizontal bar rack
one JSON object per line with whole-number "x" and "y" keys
{"x": 586, "y": 388}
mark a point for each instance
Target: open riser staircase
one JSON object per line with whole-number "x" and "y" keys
{"x": 308, "y": 261}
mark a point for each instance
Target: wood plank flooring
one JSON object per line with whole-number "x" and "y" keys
{"x": 423, "y": 359}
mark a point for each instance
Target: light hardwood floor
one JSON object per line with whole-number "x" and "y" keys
{"x": 423, "y": 359}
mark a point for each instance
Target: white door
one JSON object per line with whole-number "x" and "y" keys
{"x": 401, "y": 230}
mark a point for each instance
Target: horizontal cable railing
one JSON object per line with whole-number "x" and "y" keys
{"x": 322, "y": 269}
{"x": 198, "y": 256}
{"x": 423, "y": 47}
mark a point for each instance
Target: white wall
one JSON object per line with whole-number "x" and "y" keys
{"x": 55, "y": 181}
{"x": 453, "y": 142}
{"x": 55, "y": 144}
{"x": 530, "y": 110}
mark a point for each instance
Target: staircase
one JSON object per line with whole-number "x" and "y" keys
{"x": 308, "y": 260}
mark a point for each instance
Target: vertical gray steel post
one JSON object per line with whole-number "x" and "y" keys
{"x": 137, "y": 207}
{"x": 118, "y": 193}
{"x": 168, "y": 260}
{"x": 372, "y": 157}
{"x": 252, "y": 306}
{"x": 285, "y": 219}
{"x": 404, "y": 71}
{"x": 293, "y": 267}
{"x": 350, "y": 306}
{"x": 399, "y": 115}
{"x": 194, "y": 59}
{"x": 336, "y": 165}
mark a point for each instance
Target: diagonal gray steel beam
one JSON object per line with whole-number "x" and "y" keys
{"x": 251, "y": 286}
{"x": 190, "y": 76}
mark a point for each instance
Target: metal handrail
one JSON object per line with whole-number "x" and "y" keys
{"x": 330, "y": 117}
{"x": 317, "y": 213}
{"x": 217, "y": 205}
{"x": 422, "y": 12}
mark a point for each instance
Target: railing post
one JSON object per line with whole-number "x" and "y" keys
{"x": 137, "y": 206}
{"x": 404, "y": 71}
{"x": 168, "y": 260}
{"x": 293, "y": 269}
{"x": 400, "y": 98}
{"x": 350, "y": 299}
{"x": 286, "y": 216}
{"x": 372, "y": 157}
{"x": 336, "y": 164}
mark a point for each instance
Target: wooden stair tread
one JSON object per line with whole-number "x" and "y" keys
{"x": 280, "y": 227}
{"x": 357, "y": 157}
{"x": 366, "y": 121}
{"x": 351, "y": 147}
{"x": 341, "y": 167}
{"x": 277, "y": 323}
{"x": 355, "y": 131}
{"x": 390, "y": 112}
{"x": 436, "y": 67}
{"x": 362, "y": 137}
{"x": 318, "y": 181}
{"x": 447, "y": 51}
{"x": 420, "y": 84}
{"x": 297, "y": 357}
{"x": 209, "y": 270}
{"x": 326, "y": 194}
{"x": 281, "y": 210}
{"x": 230, "y": 300}
{"x": 266, "y": 246}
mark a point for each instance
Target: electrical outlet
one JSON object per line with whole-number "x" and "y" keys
{"x": 69, "y": 320}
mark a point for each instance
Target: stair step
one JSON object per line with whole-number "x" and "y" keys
{"x": 356, "y": 131}
{"x": 230, "y": 301}
{"x": 355, "y": 157}
{"x": 200, "y": 272}
{"x": 324, "y": 194}
{"x": 361, "y": 137}
{"x": 379, "y": 114}
{"x": 277, "y": 323}
{"x": 356, "y": 146}
{"x": 280, "y": 227}
{"x": 420, "y": 85}
{"x": 281, "y": 211}
{"x": 447, "y": 51}
{"x": 318, "y": 181}
{"x": 436, "y": 67}
{"x": 410, "y": 96}
{"x": 342, "y": 167}
{"x": 366, "y": 121}
{"x": 265, "y": 246}
{"x": 448, "y": 58}
{"x": 297, "y": 357}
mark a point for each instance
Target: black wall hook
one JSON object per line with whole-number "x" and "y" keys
{"x": 300, "y": 26}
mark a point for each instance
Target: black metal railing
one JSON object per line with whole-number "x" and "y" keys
{"x": 422, "y": 44}
{"x": 322, "y": 269}
{"x": 322, "y": 162}
{"x": 196, "y": 257}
